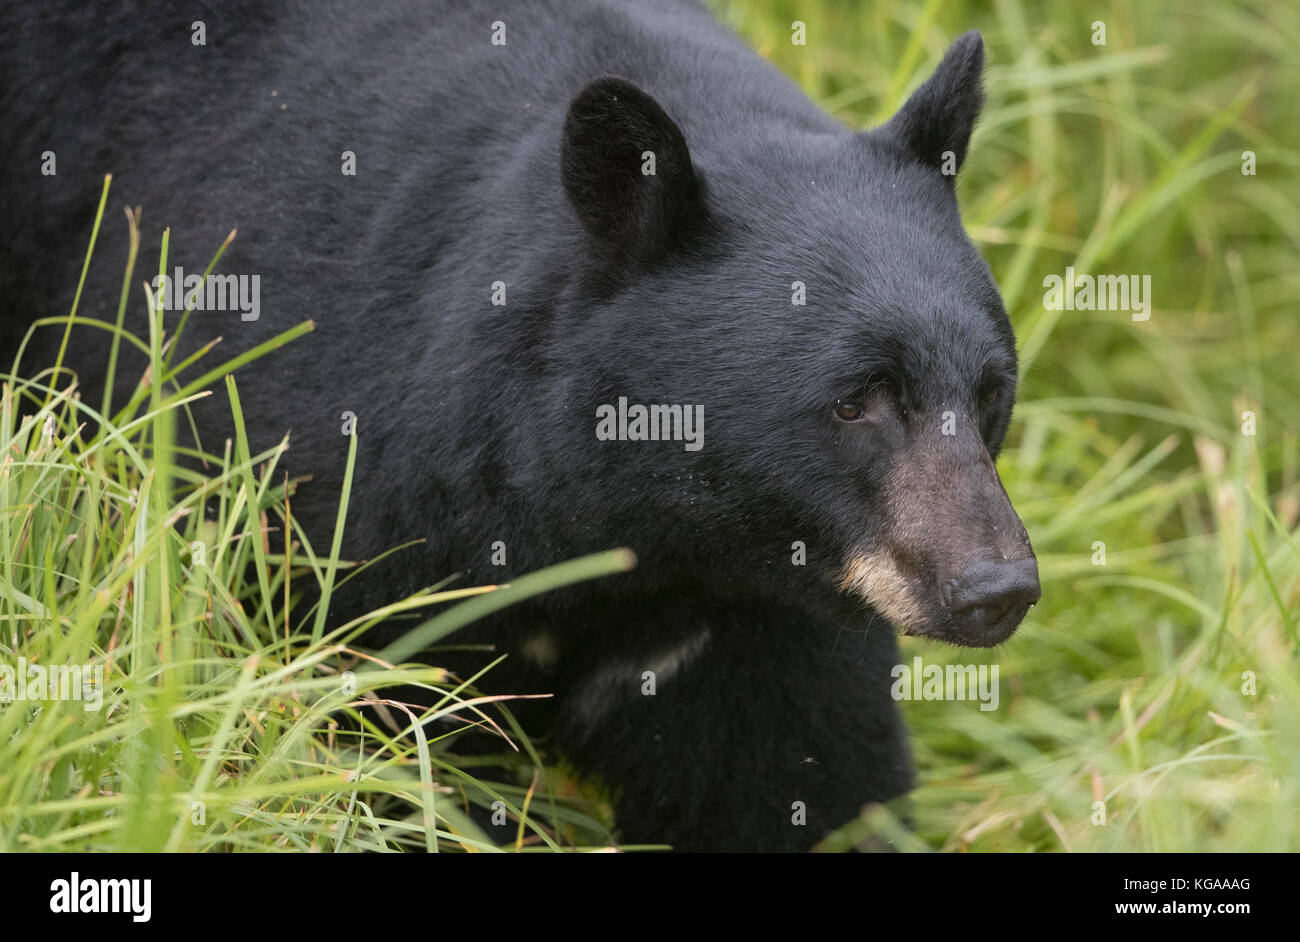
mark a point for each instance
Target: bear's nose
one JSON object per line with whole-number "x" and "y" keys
{"x": 991, "y": 598}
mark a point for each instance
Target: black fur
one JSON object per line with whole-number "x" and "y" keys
{"x": 522, "y": 163}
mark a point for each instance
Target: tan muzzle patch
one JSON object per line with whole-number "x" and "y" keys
{"x": 876, "y": 578}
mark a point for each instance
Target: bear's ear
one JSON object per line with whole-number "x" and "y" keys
{"x": 627, "y": 170}
{"x": 935, "y": 124}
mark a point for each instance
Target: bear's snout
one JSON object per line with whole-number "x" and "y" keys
{"x": 990, "y": 598}
{"x": 953, "y": 561}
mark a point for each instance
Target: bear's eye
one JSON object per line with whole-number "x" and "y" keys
{"x": 849, "y": 410}
{"x": 990, "y": 393}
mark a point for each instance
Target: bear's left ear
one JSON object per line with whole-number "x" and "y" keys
{"x": 935, "y": 124}
{"x": 627, "y": 170}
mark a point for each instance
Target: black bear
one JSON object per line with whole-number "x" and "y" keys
{"x": 590, "y": 274}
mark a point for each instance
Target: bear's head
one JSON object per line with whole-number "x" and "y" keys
{"x": 814, "y": 291}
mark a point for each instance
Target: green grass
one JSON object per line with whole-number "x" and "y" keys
{"x": 220, "y": 717}
{"x": 1163, "y": 683}
{"x": 1125, "y": 685}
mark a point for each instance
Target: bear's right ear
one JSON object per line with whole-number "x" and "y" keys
{"x": 935, "y": 124}
{"x": 627, "y": 170}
